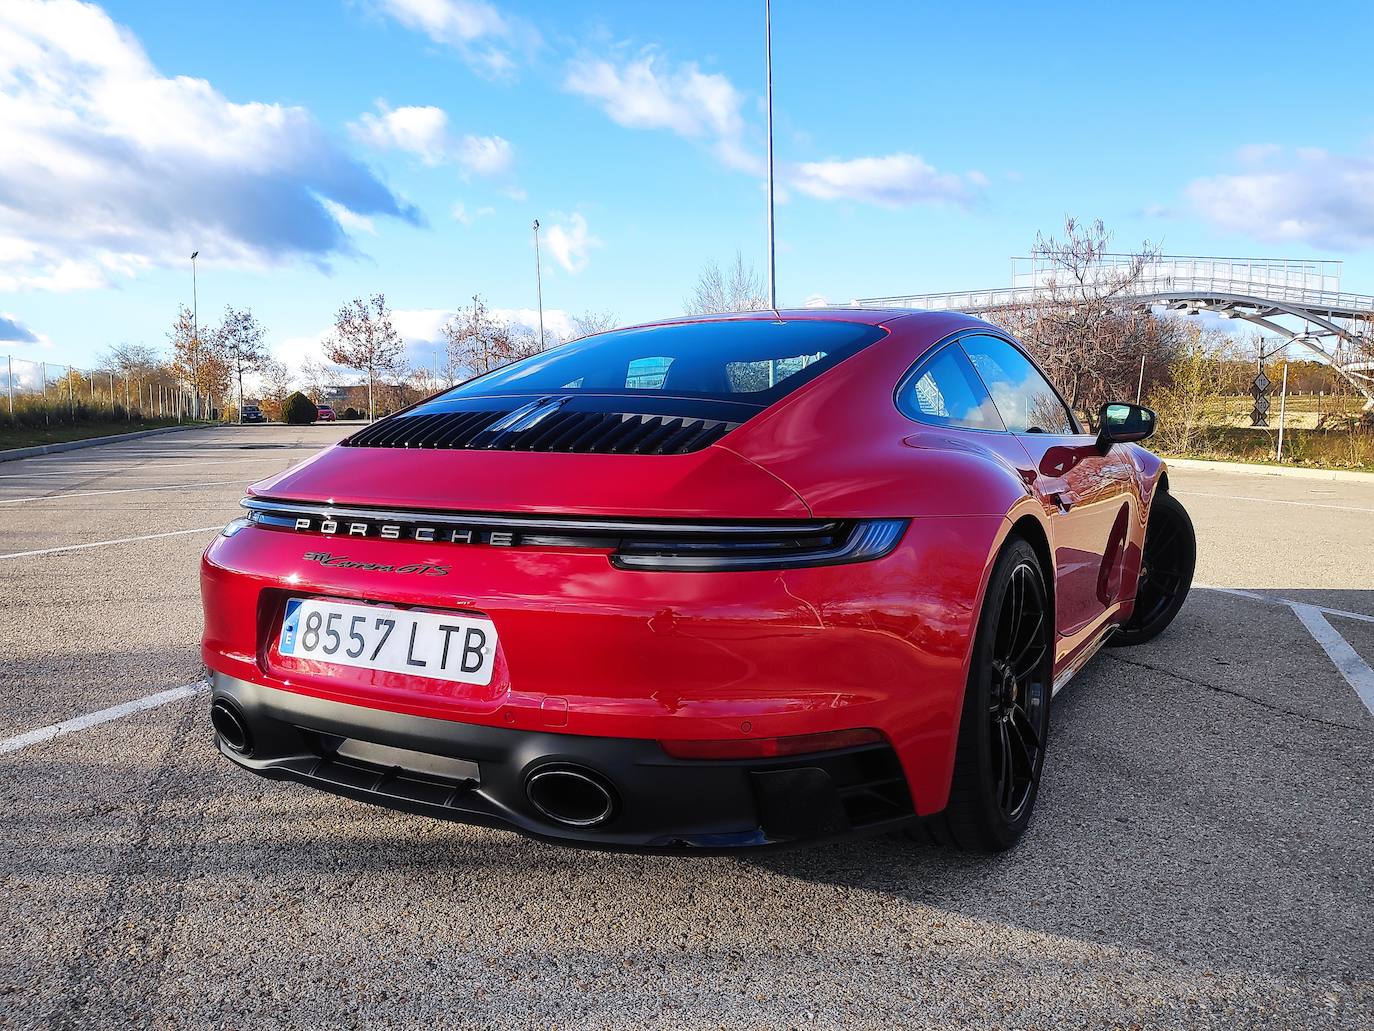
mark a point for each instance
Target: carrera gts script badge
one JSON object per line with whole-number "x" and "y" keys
{"x": 333, "y": 561}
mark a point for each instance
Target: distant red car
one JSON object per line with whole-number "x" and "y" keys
{"x": 703, "y": 584}
{"x": 323, "y": 413}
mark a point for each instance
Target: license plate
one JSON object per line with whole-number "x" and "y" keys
{"x": 448, "y": 647}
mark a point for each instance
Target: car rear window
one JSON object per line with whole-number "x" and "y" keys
{"x": 754, "y": 361}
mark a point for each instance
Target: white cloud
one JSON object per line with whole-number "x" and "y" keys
{"x": 350, "y": 219}
{"x": 481, "y": 34}
{"x": 424, "y": 132}
{"x": 1301, "y": 195}
{"x": 645, "y": 93}
{"x": 649, "y": 92}
{"x": 894, "y": 180}
{"x": 570, "y": 242}
{"x": 486, "y": 155}
{"x": 109, "y": 167}
{"x": 461, "y": 213}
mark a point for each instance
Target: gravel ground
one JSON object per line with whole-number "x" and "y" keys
{"x": 1200, "y": 854}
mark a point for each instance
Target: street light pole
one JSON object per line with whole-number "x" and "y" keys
{"x": 539, "y": 283}
{"x": 768, "y": 60}
{"x": 195, "y": 341}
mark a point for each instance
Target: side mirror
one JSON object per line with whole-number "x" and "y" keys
{"x": 1120, "y": 422}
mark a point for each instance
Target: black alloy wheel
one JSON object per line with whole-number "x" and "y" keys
{"x": 1166, "y": 571}
{"x": 1020, "y": 691}
{"x": 1005, "y": 723}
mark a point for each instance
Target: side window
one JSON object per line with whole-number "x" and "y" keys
{"x": 1024, "y": 398}
{"x": 944, "y": 389}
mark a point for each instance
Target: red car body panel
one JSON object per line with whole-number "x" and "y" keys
{"x": 679, "y": 486}
{"x": 587, "y": 648}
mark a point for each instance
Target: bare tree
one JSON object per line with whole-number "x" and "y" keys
{"x": 364, "y": 339}
{"x": 134, "y": 360}
{"x": 278, "y": 383}
{"x": 591, "y": 322}
{"x": 315, "y": 377}
{"x": 477, "y": 341}
{"x": 1082, "y": 326}
{"x": 132, "y": 364}
{"x": 239, "y": 338}
{"x": 740, "y": 288}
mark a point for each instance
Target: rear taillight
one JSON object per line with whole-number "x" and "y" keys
{"x": 776, "y": 547}
{"x": 772, "y": 747}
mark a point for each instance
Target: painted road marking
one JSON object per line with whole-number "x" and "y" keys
{"x": 117, "y": 540}
{"x": 106, "y": 470}
{"x": 1271, "y": 501}
{"x": 91, "y": 719}
{"x": 1356, "y": 671}
{"x": 119, "y": 490}
{"x": 1348, "y": 663}
{"x": 1270, "y": 599}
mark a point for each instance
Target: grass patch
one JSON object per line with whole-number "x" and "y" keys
{"x": 1313, "y": 449}
{"x": 31, "y": 436}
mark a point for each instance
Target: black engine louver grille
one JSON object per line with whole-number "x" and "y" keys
{"x": 602, "y": 433}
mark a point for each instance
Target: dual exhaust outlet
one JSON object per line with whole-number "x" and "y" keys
{"x": 563, "y": 793}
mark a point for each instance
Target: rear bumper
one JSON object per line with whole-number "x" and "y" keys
{"x": 660, "y": 803}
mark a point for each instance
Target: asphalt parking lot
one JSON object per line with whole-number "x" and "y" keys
{"x": 1201, "y": 854}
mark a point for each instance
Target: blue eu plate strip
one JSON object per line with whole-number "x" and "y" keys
{"x": 288, "y": 626}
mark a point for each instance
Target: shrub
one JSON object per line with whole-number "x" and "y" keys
{"x": 352, "y": 413}
{"x": 298, "y": 410}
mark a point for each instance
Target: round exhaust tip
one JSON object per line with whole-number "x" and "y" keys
{"x": 230, "y": 726}
{"x": 570, "y": 795}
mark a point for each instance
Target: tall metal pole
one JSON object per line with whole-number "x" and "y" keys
{"x": 1140, "y": 383}
{"x": 772, "y": 258}
{"x": 1283, "y": 404}
{"x": 539, "y": 283}
{"x": 195, "y": 340}
{"x": 9, "y": 363}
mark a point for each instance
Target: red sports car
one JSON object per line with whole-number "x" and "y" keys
{"x": 704, "y": 584}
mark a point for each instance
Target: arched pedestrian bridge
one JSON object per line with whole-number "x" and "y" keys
{"x": 1299, "y": 300}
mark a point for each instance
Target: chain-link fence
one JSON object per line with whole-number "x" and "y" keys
{"x": 38, "y": 393}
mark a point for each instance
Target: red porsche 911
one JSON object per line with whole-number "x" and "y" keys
{"x": 706, "y": 584}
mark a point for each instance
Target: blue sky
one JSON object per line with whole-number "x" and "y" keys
{"x": 321, "y": 149}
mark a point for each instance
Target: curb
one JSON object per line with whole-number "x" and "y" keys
{"x": 13, "y": 454}
{"x": 1255, "y": 469}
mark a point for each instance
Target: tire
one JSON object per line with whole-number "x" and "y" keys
{"x": 1005, "y": 722}
{"x": 1166, "y": 572}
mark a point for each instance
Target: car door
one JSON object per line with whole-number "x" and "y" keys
{"x": 1084, "y": 493}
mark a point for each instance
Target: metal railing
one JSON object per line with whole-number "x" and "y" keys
{"x": 1313, "y": 285}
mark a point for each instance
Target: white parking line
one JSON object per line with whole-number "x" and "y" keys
{"x": 102, "y": 469}
{"x": 91, "y": 719}
{"x": 1348, "y": 663}
{"x": 1356, "y": 671}
{"x": 1271, "y": 501}
{"x": 117, "y": 540}
{"x": 120, "y": 490}
{"x": 1270, "y": 599}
